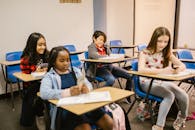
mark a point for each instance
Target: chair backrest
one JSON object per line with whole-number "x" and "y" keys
{"x": 99, "y": 79}
{"x": 186, "y": 54}
{"x": 86, "y": 64}
{"x": 116, "y": 50}
{"x": 137, "y": 87}
{"x": 86, "y": 54}
{"x": 140, "y": 47}
{"x": 12, "y": 56}
{"x": 74, "y": 58}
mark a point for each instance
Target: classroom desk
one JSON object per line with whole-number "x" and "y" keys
{"x": 7, "y": 63}
{"x": 116, "y": 95}
{"x": 79, "y": 109}
{"x": 162, "y": 77}
{"x": 188, "y": 60}
{"x": 77, "y": 52}
{"x": 3, "y": 67}
{"x": 108, "y": 61}
{"x": 124, "y": 47}
{"x": 28, "y": 77}
{"x": 159, "y": 77}
{"x": 191, "y": 81}
{"x": 25, "y": 77}
{"x": 174, "y": 51}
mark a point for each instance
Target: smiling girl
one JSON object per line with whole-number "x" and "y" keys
{"x": 34, "y": 59}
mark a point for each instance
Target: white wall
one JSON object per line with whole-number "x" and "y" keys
{"x": 59, "y": 23}
{"x": 120, "y": 20}
{"x": 100, "y": 10}
{"x": 151, "y": 14}
{"x": 73, "y": 23}
{"x": 186, "y": 33}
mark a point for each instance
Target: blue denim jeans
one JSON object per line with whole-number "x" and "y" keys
{"x": 109, "y": 73}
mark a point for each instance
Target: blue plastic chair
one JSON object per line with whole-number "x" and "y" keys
{"x": 97, "y": 79}
{"x": 117, "y": 50}
{"x": 140, "y": 47}
{"x": 9, "y": 70}
{"x": 74, "y": 58}
{"x": 186, "y": 54}
{"x": 13, "y": 56}
{"x": 140, "y": 94}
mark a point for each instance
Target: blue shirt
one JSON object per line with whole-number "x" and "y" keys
{"x": 67, "y": 80}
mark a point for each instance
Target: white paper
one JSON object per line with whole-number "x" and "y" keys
{"x": 114, "y": 56}
{"x": 191, "y": 71}
{"x": 38, "y": 74}
{"x": 86, "y": 98}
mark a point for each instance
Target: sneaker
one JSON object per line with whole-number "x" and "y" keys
{"x": 155, "y": 127}
{"x": 179, "y": 122}
{"x": 40, "y": 122}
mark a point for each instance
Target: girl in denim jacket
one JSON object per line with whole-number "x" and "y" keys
{"x": 62, "y": 81}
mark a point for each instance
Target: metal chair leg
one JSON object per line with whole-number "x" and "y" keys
{"x": 12, "y": 97}
{"x": 189, "y": 88}
{"x": 6, "y": 85}
{"x": 119, "y": 83}
{"x": 132, "y": 105}
{"x": 19, "y": 87}
{"x": 180, "y": 83}
{"x": 151, "y": 112}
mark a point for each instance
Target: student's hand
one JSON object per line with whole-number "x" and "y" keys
{"x": 176, "y": 70}
{"x": 84, "y": 89}
{"x": 168, "y": 70}
{"x": 75, "y": 90}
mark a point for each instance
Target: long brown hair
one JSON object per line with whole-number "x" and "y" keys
{"x": 152, "y": 46}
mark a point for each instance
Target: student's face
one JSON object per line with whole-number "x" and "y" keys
{"x": 41, "y": 46}
{"x": 99, "y": 41}
{"x": 62, "y": 62}
{"x": 162, "y": 42}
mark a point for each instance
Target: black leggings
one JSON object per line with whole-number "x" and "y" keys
{"x": 31, "y": 105}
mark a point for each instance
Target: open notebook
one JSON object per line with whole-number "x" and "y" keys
{"x": 86, "y": 98}
{"x": 183, "y": 73}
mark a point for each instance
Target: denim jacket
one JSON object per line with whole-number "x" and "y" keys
{"x": 51, "y": 89}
